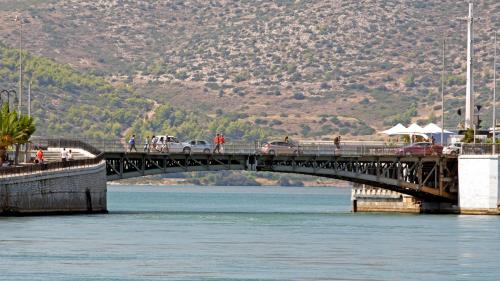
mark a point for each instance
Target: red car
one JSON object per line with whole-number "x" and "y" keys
{"x": 420, "y": 148}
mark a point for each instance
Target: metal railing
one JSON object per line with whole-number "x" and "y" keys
{"x": 347, "y": 148}
{"x": 480, "y": 149}
{"x": 50, "y": 167}
{"x": 62, "y": 143}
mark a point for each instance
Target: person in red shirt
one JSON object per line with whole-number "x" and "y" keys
{"x": 39, "y": 156}
{"x": 217, "y": 141}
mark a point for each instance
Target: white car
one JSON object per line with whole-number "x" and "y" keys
{"x": 174, "y": 145}
{"x": 197, "y": 146}
{"x": 453, "y": 149}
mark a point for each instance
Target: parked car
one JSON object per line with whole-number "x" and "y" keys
{"x": 420, "y": 148}
{"x": 453, "y": 149}
{"x": 281, "y": 147}
{"x": 196, "y": 146}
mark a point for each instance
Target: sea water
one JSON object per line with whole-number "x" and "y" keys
{"x": 246, "y": 233}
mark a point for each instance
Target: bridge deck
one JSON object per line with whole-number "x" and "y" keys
{"x": 431, "y": 177}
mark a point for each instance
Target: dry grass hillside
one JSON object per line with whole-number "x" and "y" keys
{"x": 304, "y": 67}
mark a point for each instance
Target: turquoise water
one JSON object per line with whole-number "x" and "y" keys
{"x": 246, "y": 233}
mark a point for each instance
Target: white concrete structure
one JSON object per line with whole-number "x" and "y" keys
{"x": 479, "y": 189}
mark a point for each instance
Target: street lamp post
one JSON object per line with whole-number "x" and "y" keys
{"x": 8, "y": 97}
{"x": 494, "y": 94}
{"x": 442, "y": 93}
{"x": 29, "y": 99}
{"x": 21, "y": 20}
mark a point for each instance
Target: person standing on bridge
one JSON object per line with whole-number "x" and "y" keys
{"x": 131, "y": 143}
{"x": 64, "y": 155}
{"x": 146, "y": 144}
{"x": 154, "y": 141}
{"x": 39, "y": 156}
{"x": 336, "y": 142}
{"x": 222, "y": 141}
{"x": 217, "y": 140}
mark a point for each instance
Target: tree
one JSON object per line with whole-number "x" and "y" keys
{"x": 14, "y": 130}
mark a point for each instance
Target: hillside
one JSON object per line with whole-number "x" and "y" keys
{"x": 68, "y": 103}
{"x": 305, "y": 68}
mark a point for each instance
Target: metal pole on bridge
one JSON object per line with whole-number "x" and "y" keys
{"x": 494, "y": 95}
{"x": 442, "y": 93}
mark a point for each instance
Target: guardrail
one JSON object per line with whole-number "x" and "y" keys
{"x": 50, "y": 167}
{"x": 480, "y": 149}
{"x": 61, "y": 143}
{"x": 256, "y": 148}
{"x": 346, "y": 148}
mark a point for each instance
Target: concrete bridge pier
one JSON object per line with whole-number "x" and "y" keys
{"x": 479, "y": 187}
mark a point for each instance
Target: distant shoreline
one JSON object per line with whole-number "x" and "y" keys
{"x": 182, "y": 182}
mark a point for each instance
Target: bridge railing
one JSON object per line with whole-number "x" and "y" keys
{"x": 480, "y": 149}
{"x": 234, "y": 147}
{"x": 61, "y": 143}
{"x": 52, "y": 166}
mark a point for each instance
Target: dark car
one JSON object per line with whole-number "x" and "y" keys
{"x": 420, "y": 148}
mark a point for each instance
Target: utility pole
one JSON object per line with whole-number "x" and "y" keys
{"x": 469, "y": 98}
{"x": 495, "y": 94}
{"x": 18, "y": 18}
{"x": 442, "y": 93}
{"x": 29, "y": 99}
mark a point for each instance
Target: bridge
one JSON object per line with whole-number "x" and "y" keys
{"x": 430, "y": 177}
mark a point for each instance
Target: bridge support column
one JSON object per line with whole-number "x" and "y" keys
{"x": 478, "y": 184}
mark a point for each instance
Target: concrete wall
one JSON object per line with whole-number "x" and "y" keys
{"x": 478, "y": 184}
{"x": 75, "y": 190}
{"x": 374, "y": 199}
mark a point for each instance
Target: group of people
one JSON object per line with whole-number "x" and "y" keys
{"x": 159, "y": 144}
{"x": 219, "y": 141}
{"x": 66, "y": 155}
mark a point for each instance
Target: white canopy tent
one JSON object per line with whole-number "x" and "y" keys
{"x": 414, "y": 129}
{"x": 432, "y": 128}
{"x": 396, "y": 130}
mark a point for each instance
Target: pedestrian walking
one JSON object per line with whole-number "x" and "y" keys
{"x": 69, "y": 156}
{"x": 336, "y": 142}
{"x": 154, "y": 140}
{"x": 222, "y": 141}
{"x": 217, "y": 143}
{"x": 146, "y": 144}
{"x": 164, "y": 146}
{"x": 131, "y": 143}
{"x": 64, "y": 155}
{"x": 39, "y": 156}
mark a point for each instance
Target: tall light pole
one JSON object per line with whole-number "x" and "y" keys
{"x": 495, "y": 94}
{"x": 29, "y": 99}
{"x": 8, "y": 97}
{"x": 19, "y": 19}
{"x": 442, "y": 93}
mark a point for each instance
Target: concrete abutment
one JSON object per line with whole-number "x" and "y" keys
{"x": 65, "y": 191}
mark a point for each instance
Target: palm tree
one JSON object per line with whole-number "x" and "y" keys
{"x": 14, "y": 130}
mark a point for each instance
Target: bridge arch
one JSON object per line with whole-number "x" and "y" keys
{"x": 430, "y": 177}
